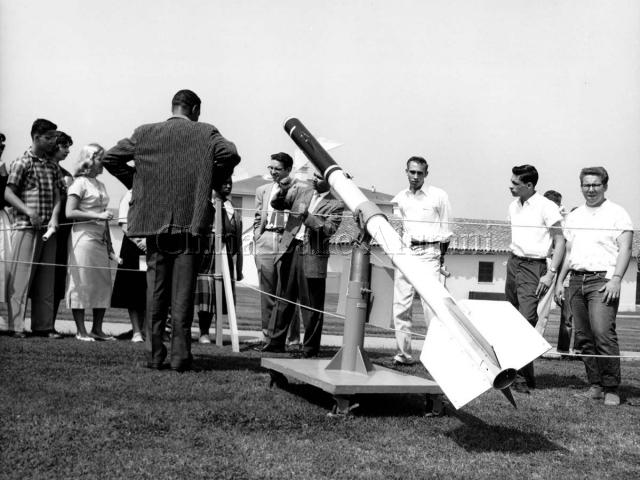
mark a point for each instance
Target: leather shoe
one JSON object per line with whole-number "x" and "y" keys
{"x": 47, "y": 334}
{"x": 309, "y": 354}
{"x": 271, "y": 348}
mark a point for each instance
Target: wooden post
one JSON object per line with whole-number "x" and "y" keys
{"x": 222, "y": 277}
{"x": 217, "y": 271}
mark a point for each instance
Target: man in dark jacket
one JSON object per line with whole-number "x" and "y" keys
{"x": 176, "y": 163}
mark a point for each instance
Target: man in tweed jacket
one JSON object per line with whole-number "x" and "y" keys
{"x": 303, "y": 257}
{"x": 176, "y": 162}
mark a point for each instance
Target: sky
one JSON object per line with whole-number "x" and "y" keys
{"x": 475, "y": 87}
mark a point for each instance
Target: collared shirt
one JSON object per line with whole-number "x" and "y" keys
{"x": 530, "y": 226}
{"x": 316, "y": 198}
{"x": 275, "y": 218}
{"x": 228, "y": 208}
{"x": 425, "y": 214}
{"x": 593, "y": 233}
{"x": 35, "y": 180}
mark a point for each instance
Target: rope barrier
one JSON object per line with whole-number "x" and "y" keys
{"x": 394, "y": 218}
{"x": 306, "y": 307}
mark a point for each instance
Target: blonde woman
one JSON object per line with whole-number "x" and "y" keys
{"x": 89, "y": 274}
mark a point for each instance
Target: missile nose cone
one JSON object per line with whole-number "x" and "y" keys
{"x": 505, "y": 378}
{"x": 289, "y": 123}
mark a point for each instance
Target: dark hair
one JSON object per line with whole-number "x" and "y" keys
{"x": 284, "y": 158}
{"x": 41, "y": 126}
{"x": 186, "y": 98}
{"x": 221, "y": 180}
{"x": 555, "y": 197}
{"x": 63, "y": 139}
{"x": 2, "y": 137}
{"x": 598, "y": 171}
{"x": 526, "y": 173}
{"x": 418, "y": 160}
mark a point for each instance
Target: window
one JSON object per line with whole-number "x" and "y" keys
{"x": 485, "y": 272}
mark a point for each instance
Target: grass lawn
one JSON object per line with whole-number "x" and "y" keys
{"x": 77, "y": 410}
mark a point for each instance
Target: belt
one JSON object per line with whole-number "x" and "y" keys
{"x": 415, "y": 243}
{"x": 277, "y": 230}
{"x": 528, "y": 259}
{"x": 588, "y": 273}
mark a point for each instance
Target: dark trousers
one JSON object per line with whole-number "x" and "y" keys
{"x": 595, "y": 328}
{"x": 295, "y": 286}
{"x": 523, "y": 276}
{"x": 566, "y": 327}
{"x": 172, "y": 267}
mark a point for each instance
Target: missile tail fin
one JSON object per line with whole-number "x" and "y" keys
{"x": 507, "y": 393}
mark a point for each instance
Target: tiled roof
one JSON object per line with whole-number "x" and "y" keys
{"x": 480, "y": 236}
{"x": 470, "y": 236}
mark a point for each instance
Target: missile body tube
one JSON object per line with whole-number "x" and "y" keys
{"x": 438, "y": 298}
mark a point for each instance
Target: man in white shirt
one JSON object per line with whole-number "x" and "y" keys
{"x": 535, "y": 227}
{"x": 599, "y": 236}
{"x": 425, "y": 213}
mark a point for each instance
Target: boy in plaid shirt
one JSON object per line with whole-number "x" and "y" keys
{"x": 33, "y": 190}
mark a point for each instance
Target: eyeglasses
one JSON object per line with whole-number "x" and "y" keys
{"x": 274, "y": 169}
{"x": 588, "y": 186}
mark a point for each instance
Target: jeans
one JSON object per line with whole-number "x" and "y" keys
{"x": 595, "y": 328}
{"x": 523, "y": 276}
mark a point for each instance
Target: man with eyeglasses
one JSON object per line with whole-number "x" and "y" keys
{"x": 535, "y": 227}
{"x": 268, "y": 227}
{"x": 599, "y": 236}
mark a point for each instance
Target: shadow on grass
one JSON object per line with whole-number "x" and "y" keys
{"x": 475, "y": 435}
{"x": 223, "y": 361}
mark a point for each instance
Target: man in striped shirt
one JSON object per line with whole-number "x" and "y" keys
{"x": 176, "y": 163}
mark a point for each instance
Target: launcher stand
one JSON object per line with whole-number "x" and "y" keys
{"x": 350, "y": 372}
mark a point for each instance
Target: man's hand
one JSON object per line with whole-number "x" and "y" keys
{"x": 285, "y": 183}
{"x": 141, "y": 243}
{"x": 545, "y": 283}
{"x": 558, "y": 294}
{"x": 53, "y": 224}
{"x": 611, "y": 290}
{"x": 34, "y": 218}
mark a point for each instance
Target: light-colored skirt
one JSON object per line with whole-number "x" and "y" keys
{"x": 89, "y": 270}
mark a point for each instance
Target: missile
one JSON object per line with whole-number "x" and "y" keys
{"x": 470, "y": 347}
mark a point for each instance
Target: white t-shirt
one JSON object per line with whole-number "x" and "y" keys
{"x": 425, "y": 214}
{"x": 530, "y": 223}
{"x": 592, "y": 233}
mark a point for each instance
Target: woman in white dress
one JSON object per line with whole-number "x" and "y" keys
{"x": 89, "y": 274}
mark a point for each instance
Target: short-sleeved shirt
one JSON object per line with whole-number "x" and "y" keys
{"x": 92, "y": 194}
{"x": 425, "y": 214}
{"x": 530, "y": 226}
{"x": 592, "y": 233}
{"x": 35, "y": 180}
